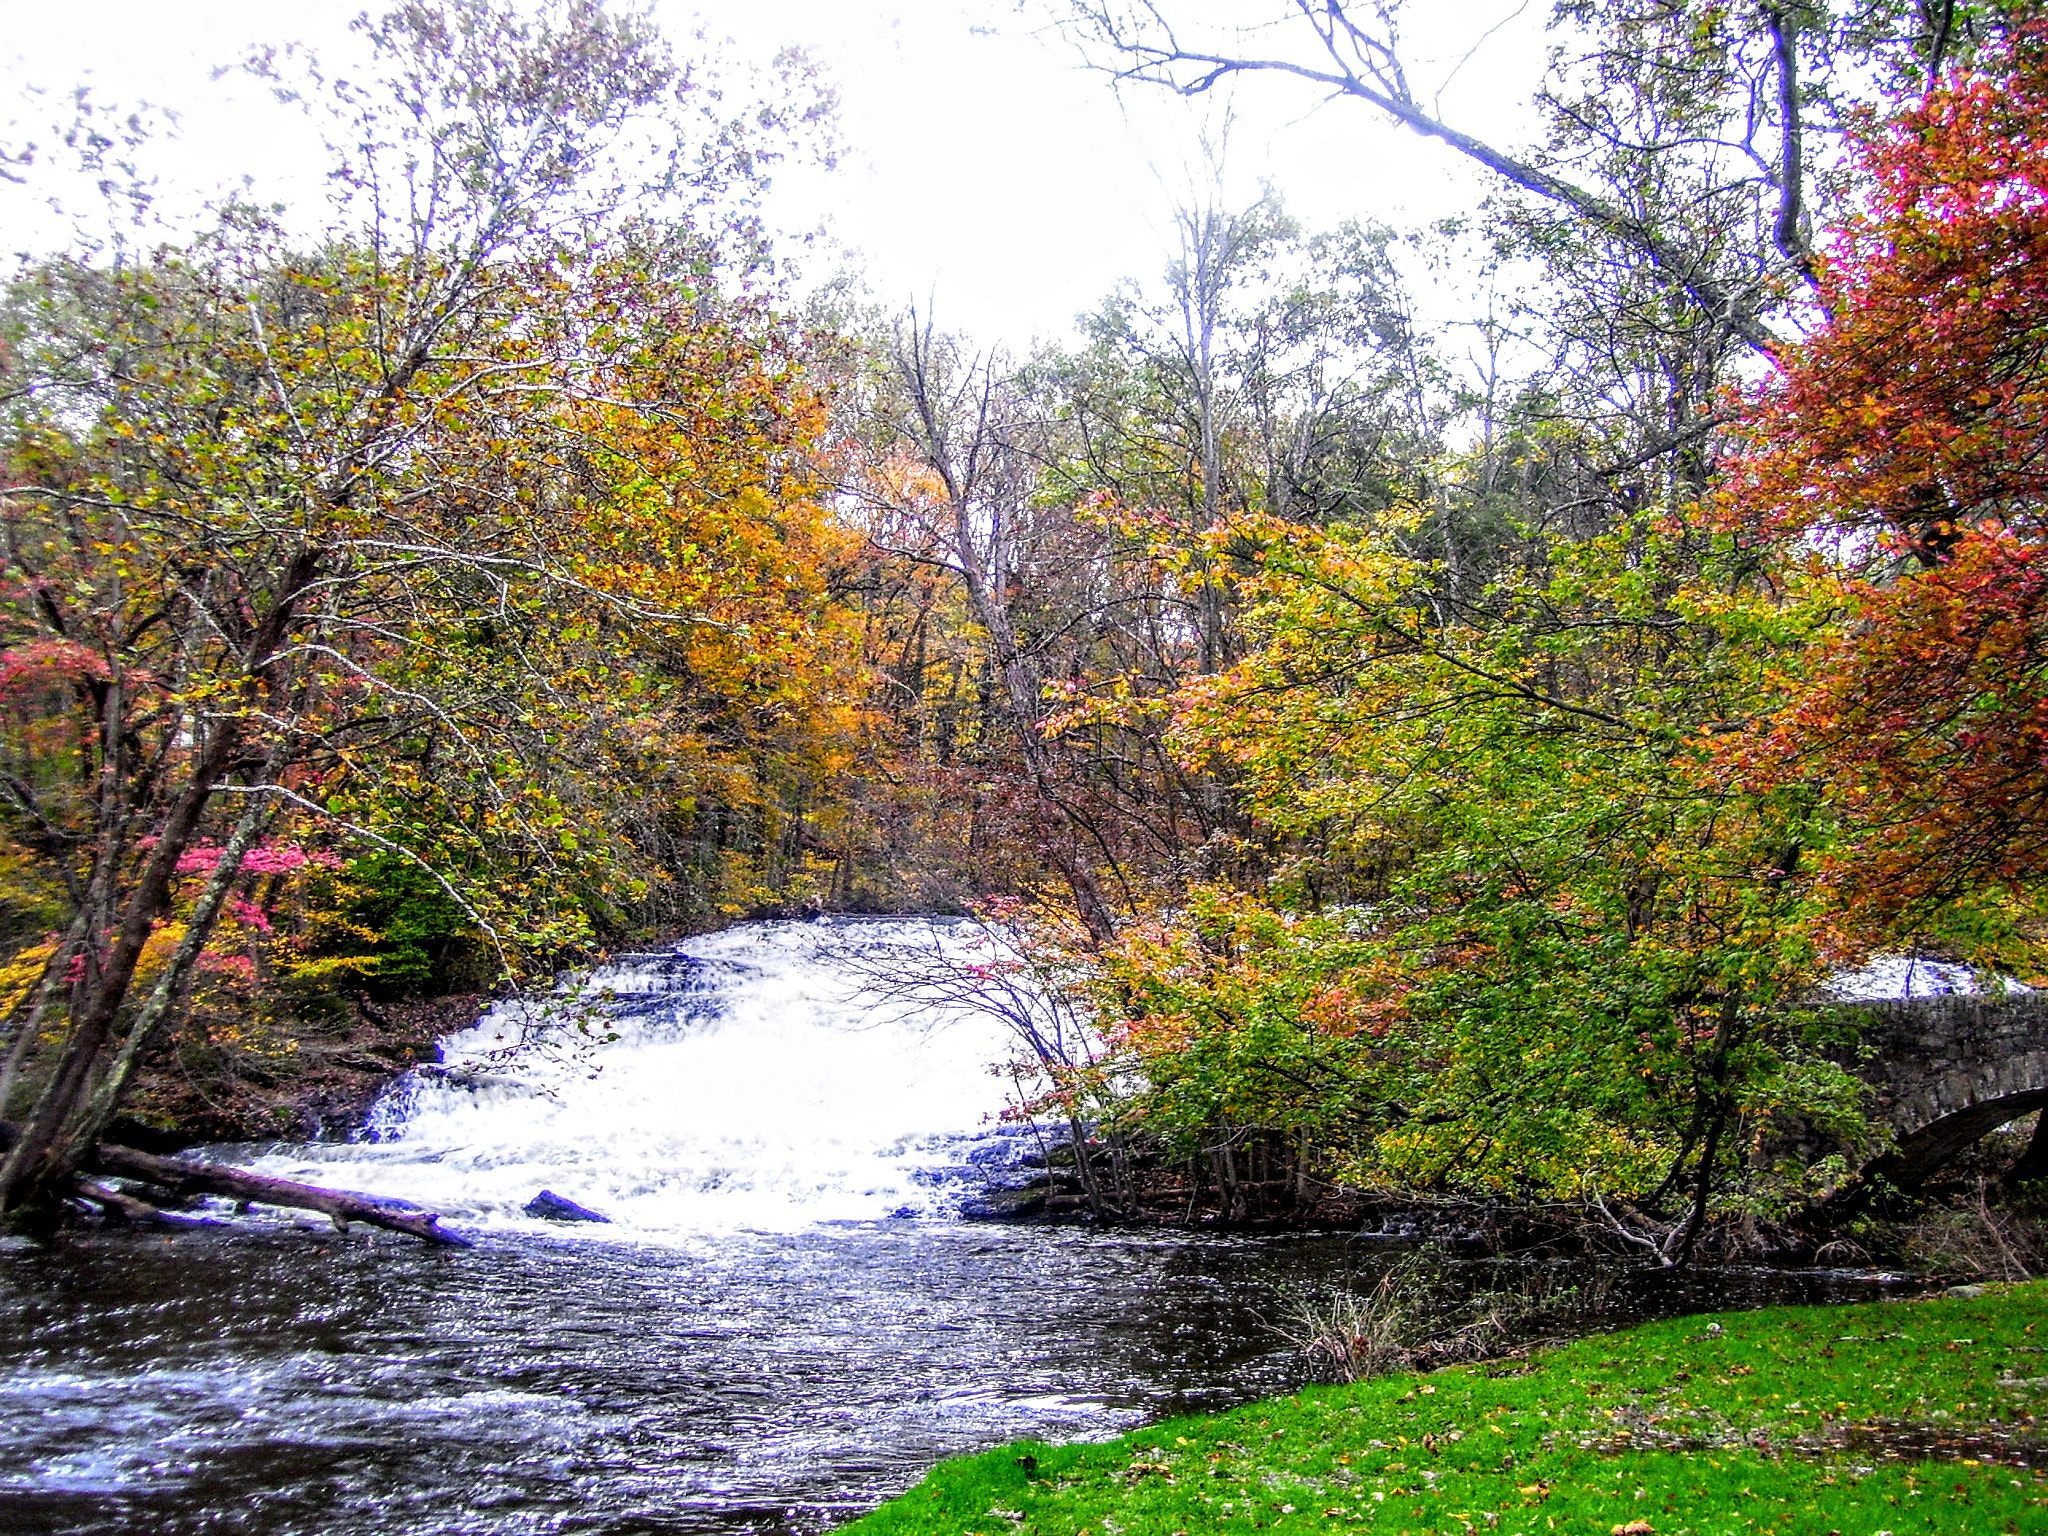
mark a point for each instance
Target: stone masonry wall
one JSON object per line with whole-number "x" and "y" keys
{"x": 1932, "y": 1056}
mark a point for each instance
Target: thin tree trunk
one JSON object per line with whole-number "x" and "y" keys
{"x": 87, "y": 1126}
{"x": 1021, "y": 698}
{"x": 2033, "y": 1163}
{"x": 1084, "y": 1167}
{"x": 35, "y": 1172}
{"x": 1703, "y": 1187}
{"x": 1717, "y": 1075}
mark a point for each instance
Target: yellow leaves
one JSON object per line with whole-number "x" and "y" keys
{"x": 157, "y": 953}
{"x": 588, "y": 549}
{"x": 21, "y": 974}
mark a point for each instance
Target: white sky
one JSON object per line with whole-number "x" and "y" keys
{"x": 986, "y": 170}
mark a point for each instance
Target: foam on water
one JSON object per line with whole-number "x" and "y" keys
{"x": 752, "y": 1085}
{"x": 1896, "y": 978}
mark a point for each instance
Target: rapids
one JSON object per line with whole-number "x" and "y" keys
{"x": 755, "y": 1084}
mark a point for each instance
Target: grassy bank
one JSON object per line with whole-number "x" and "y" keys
{"x": 1904, "y": 1417}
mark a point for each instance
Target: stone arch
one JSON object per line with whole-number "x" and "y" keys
{"x": 1926, "y": 1151}
{"x": 1946, "y": 1071}
{"x": 2002, "y": 1069}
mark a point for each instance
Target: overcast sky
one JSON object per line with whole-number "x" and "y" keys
{"x": 987, "y": 169}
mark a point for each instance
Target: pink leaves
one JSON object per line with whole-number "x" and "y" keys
{"x": 241, "y": 968}
{"x": 43, "y": 662}
{"x": 249, "y": 915}
{"x": 267, "y": 859}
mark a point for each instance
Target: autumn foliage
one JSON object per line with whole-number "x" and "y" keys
{"x": 473, "y": 549}
{"x": 1898, "y": 472}
{"x": 1421, "y": 788}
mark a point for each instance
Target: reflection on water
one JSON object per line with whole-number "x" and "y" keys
{"x": 289, "y": 1381}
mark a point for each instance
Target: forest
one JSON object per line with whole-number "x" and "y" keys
{"x": 1424, "y": 767}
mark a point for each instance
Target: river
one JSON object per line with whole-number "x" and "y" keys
{"x": 784, "y": 1321}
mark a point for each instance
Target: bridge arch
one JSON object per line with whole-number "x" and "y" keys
{"x": 1948, "y": 1071}
{"x": 1918, "y": 1157}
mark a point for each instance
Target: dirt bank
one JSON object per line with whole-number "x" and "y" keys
{"x": 233, "y": 1088}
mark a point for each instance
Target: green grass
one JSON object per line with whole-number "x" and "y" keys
{"x": 1752, "y": 1421}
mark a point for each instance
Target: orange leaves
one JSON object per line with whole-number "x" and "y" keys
{"x": 1928, "y": 720}
{"x": 1921, "y": 406}
{"x": 1900, "y": 470}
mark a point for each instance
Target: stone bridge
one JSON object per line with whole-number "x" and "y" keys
{"x": 1949, "y": 1070}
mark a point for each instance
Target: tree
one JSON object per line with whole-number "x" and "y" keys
{"x": 425, "y": 534}
{"x": 950, "y": 475}
{"x": 1895, "y": 472}
{"x": 1673, "y": 128}
{"x": 1661, "y": 235}
{"x": 1570, "y": 837}
{"x": 1046, "y": 523}
{"x": 1527, "y": 943}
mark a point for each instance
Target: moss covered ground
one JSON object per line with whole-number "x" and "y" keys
{"x": 1900, "y": 1417}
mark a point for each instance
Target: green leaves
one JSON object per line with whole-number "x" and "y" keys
{"x": 1525, "y": 942}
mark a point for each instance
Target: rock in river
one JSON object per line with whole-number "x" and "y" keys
{"x": 549, "y": 1206}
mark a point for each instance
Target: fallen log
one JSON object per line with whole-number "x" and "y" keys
{"x": 340, "y": 1205}
{"x": 122, "y": 1206}
{"x": 183, "y": 1178}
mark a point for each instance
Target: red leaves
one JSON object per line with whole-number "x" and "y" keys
{"x": 1901, "y": 464}
{"x": 1927, "y": 720}
{"x": 42, "y": 662}
{"x": 1920, "y": 409}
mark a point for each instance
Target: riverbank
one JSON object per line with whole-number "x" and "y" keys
{"x": 1926, "y": 1416}
{"x": 312, "y": 1081}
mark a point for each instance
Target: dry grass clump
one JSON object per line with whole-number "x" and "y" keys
{"x": 1417, "y": 1316}
{"x": 1974, "y": 1238}
{"x": 1352, "y": 1335}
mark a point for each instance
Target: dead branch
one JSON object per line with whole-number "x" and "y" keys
{"x": 122, "y": 1206}
{"x": 184, "y": 1178}
{"x": 341, "y": 1206}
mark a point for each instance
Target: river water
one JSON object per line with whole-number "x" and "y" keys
{"x": 784, "y": 1321}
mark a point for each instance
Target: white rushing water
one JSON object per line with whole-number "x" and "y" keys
{"x": 753, "y": 1085}
{"x": 1895, "y": 978}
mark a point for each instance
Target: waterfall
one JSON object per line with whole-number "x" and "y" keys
{"x": 745, "y": 1080}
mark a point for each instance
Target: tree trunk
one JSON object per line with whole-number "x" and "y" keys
{"x": 2033, "y": 1163}
{"x": 183, "y": 1178}
{"x": 341, "y": 1206}
{"x": 47, "y": 992}
{"x": 1020, "y": 696}
{"x": 1720, "y": 1112}
{"x": 86, "y": 1127}
{"x": 37, "y": 1173}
